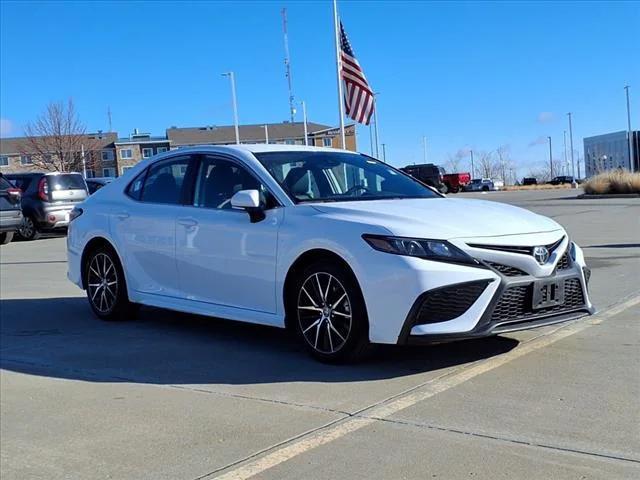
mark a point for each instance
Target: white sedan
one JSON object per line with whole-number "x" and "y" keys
{"x": 341, "y": 248}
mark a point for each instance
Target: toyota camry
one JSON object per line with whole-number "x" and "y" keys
{"x": 339, "y": 247}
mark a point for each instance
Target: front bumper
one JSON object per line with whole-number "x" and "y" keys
{"x": 501, "y": 306}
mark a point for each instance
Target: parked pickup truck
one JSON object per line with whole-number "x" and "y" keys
{"x": 455, "y": 182}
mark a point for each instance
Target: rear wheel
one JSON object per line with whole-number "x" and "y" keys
{"x": 28, "y": 229}
{"x": 485, "y": 189}
{"x": 106, "y": 287}
{"x": 6, "y": 237}
{"x": 331, "y": 317}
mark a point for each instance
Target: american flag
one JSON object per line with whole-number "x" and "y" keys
{"x": 358, "y": 96}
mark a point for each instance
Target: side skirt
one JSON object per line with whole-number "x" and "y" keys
{"x": 208, "y": 309}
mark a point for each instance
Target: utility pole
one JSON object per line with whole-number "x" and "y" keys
{"x": 232, "y": 79}
{"x": 473, "y": 170}
{"x": 629, "y": 133}
{"x": 375, "y": 119}
{"x": 84, "y": 163}
{"x": 266, "y": 134}
{"x": 384, "y": 152}
{"x": 304, "y": 119}
{"x": 424, "y": 146}
{"x": 550, "y": 158}
{"x": 287, "y": 66}
{"x": 573, "y": 165}
{"x": 564, "y": 137}
{"x": 109, "y": 117}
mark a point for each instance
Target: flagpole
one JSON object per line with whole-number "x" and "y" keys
{"x": 338, "y": 72}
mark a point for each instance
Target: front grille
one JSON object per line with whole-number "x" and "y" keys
{"x": 516, "y": 249}
{"x": 516, "y": 302}
{"x": 506, "y": 269}
{"x": 565, "y": 262}
{"x": 447, "y": 303}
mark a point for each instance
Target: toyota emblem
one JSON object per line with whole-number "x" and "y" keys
{"x": 541, "y": 254}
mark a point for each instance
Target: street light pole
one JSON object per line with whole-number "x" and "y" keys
{"x": 424, "y": 146}
{"x": 573, "y": 165}
{"x": 473, "y": 170}
{"x": 232, "y": 78}
{"x": 550, "y": 158}
{"x": 384, "y": 152}
{"x": 304, "y": 119}
{"x": 629, "y": 132}
{"x": 266, "y": 134}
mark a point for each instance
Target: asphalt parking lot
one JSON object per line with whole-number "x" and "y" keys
{"x": 183, "y": 397}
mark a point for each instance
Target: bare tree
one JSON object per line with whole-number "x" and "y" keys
{"x": 453, "y": 163}
{"x": 55, "y": 140}
{"x": 503, "y": 163}
{"x": 486, "y": 164}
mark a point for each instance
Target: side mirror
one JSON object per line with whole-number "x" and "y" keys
{"x": 249, "y": 200}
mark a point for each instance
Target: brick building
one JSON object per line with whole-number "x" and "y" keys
{"x": 107, "y": 155}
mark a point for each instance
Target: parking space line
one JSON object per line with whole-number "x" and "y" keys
{"x": 257, "y": 464}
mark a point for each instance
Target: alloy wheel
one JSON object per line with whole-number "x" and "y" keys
{"x": 27, "y": 228}
{"x": 324, "y": 313}
{"x": 102, "y": 283}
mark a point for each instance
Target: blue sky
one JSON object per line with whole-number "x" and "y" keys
{"x": 466, "y": 75}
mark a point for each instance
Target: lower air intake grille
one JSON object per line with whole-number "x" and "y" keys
{"x": 564, "y": 262}
{"x": 516, "y": 302}
{"x": 507, "y": 270}
{"x": 447, "y": 303}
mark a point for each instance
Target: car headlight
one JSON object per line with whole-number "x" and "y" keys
{"x": 437, "y": 250}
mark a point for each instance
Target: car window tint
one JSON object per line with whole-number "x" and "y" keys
{"x": 163, "y": 183}
{"x": 218, "y": 180}
{"x": 21, "y": 182}
{"x": 4, "y": 184}
{"x": 72, "y": 181}
{"x": 134, "y": 190}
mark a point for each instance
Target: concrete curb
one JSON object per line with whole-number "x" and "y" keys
{"x": 587, "y": 196}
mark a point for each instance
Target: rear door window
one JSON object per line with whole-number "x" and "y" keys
{"x": 164, "y": 181}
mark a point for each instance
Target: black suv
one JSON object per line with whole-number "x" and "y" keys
{"x": 561, "y": 180}
{"x": 10, "y": 210}
{"x": 47, "y": 199}
{"x": 427, "y": 173}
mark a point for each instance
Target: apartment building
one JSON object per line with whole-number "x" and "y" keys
{"x": 107, "y": 155}
{"x": 289, "y": 133}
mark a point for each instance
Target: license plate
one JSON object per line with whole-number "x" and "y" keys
{"x": 548, "y": 294}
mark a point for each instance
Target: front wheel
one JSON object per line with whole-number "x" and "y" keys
{"x": 106, "y": 287}
{"x": 6, "y": 237}
{"x": 331, "y": 318}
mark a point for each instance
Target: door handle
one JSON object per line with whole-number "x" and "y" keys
{"x": 188, "y": 222}
{"x": 123, "y": 215}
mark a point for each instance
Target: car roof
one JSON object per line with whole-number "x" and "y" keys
{"x": 263, "y": 148}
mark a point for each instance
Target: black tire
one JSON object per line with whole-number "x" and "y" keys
{"x": 340, "y": 334}
{"x": 108, "y": 301}
{"x": 443, "y": 188}
{"x": 28, "y": 229}
{"x": 485, "y": 189}
{"x": 6, "y": 237}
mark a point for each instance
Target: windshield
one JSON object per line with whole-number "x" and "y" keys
{"x": 333, "y": 177}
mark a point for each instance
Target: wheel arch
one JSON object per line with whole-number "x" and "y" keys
{"x": 92, "y": 245}
{"x": 299, "y": 264}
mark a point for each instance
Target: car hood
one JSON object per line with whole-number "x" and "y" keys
{"x": 443, "y": 218}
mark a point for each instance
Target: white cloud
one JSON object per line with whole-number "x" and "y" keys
{"x": 538, "y": 141}
{"x": 6, "y": 127}
{"x": 546, "y": 117}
